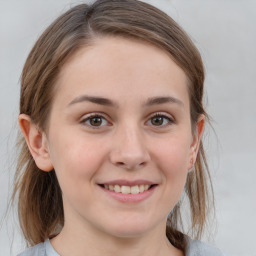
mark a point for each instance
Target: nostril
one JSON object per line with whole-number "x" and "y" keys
{"x": 129, "y": 160}
{"x": 120, "y": 163}
{"x": 130, "y": 166}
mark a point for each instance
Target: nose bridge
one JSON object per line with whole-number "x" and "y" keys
{"x": 132, "y": 139}
{"x": 130, "y": 150}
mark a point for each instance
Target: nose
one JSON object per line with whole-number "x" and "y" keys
{"x": 129, "y": 150}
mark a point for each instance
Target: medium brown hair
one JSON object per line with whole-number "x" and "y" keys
{"x": 40, "y": 205}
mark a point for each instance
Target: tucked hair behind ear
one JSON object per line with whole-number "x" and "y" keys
{"x": 40, "y": 205}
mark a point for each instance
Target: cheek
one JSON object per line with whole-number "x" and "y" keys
{"x": 173, "y": 159}
{"x": 174, "y": 153}
{"x": 76, "y": 160}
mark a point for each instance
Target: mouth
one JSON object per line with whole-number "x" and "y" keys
{"x": 124, "y": 189}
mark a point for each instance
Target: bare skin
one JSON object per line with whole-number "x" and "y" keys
{"x": 120, "y": 117}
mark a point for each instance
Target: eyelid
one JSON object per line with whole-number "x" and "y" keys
{"x": 162, "y": 114}
{"x": 86, "y": 117}
{"x": 169, "y": 117}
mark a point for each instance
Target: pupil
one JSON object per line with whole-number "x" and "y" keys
{"x": 96, "y": 121}
{"x": 157, "y": 120}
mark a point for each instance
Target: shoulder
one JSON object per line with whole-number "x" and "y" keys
{"x": 42, "y": 249}
{"x": 37, "y": 250}
{"x": 198, "y": 248}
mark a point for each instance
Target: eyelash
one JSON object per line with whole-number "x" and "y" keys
{"x": 167, "y": 118}
{"x": 90, "y": 117}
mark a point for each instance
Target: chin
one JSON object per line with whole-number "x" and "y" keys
{"x": 130, "y": 230}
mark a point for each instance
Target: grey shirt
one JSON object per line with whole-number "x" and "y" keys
{"x": 195, "y": 248}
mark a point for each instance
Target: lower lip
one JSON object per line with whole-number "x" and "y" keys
{"x": 130, "y": 198}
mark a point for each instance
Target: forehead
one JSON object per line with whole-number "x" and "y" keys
{"x": 121, "y": 67}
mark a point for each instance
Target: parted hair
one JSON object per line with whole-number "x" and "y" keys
{"x": 40, "y": 206}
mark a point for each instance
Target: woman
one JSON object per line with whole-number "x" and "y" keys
{"x": 112, "y": 116}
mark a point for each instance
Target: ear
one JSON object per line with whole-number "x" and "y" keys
{"x": 194, "y": 147}
{"x": 37, "y": 143}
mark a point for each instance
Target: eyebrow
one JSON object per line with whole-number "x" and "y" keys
{"x": 93, "y": 99}
{"x": 107, "y": 102}
{"x": 162, "y": 100}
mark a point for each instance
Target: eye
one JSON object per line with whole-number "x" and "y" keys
{"x": 95, "y": 121}
{"x": 160, "y": 120}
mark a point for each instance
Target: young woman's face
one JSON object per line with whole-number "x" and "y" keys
{"x": 120, "y": 137}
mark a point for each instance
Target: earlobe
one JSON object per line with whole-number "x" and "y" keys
{"x": 37, "y": 143}
{"x": 194, "y": 148}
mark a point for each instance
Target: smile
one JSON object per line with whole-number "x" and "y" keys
{"x": 128, "y": 189}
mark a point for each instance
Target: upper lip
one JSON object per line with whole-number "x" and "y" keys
{"x": 128, "y": 182}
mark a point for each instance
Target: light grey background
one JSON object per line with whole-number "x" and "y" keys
{"x": 225, "y": 33}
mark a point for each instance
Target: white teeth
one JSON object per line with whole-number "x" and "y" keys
{"x": 117, "y": 189}
{"x": 127, "y": 189}
{"x": 135, "y": 189}
{"x": 142, "y": 188}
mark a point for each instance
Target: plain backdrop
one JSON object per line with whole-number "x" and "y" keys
{"x": 225, "y": 33}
